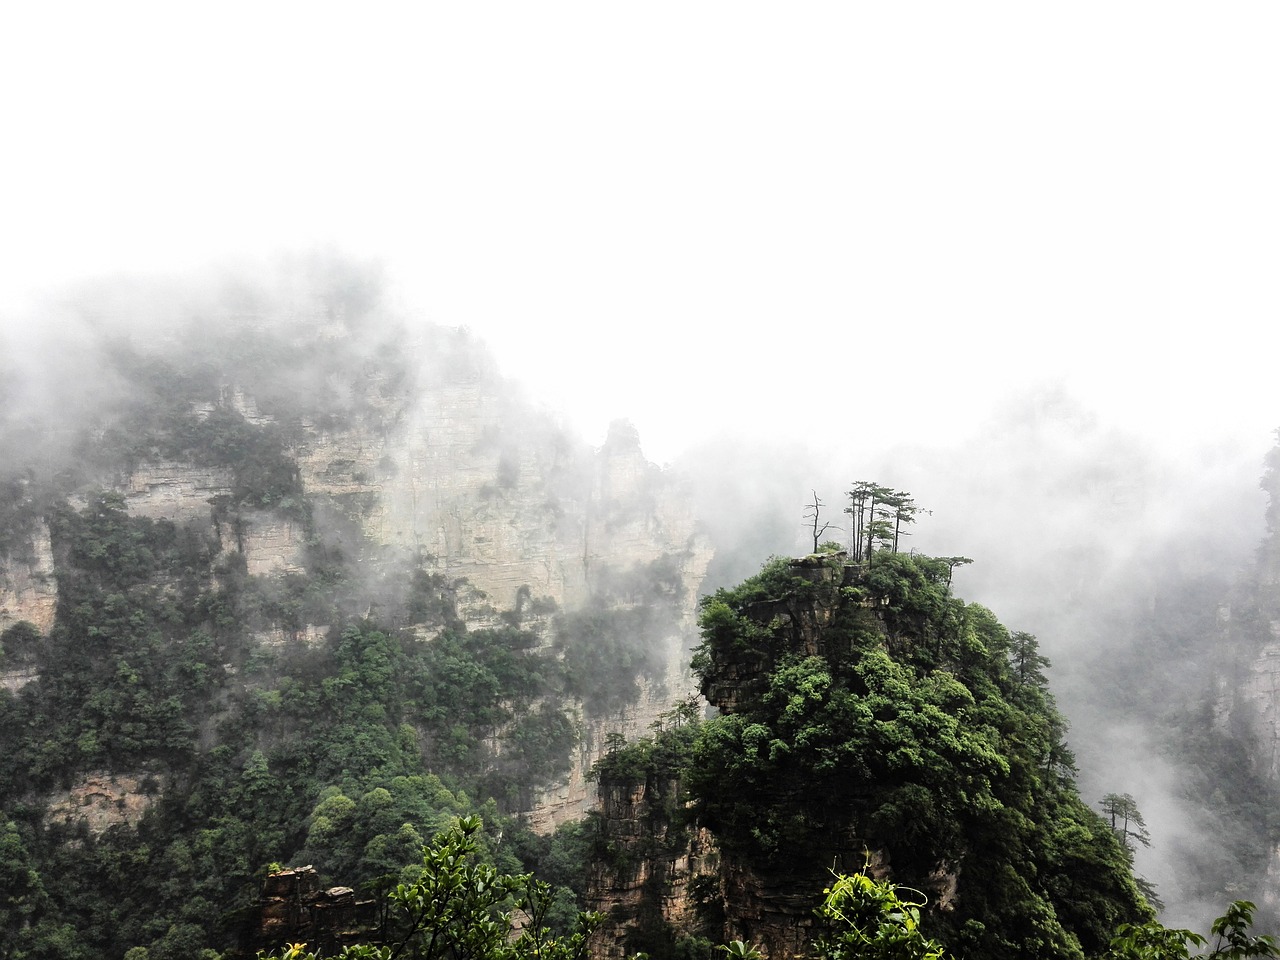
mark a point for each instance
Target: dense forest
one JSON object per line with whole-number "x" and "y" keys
{"x": 867, "y": 715}
{"x": 194, "y": 716}
{"x": 203, "y": 699}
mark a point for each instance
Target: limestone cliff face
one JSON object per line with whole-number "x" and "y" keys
{"x": 1249, "y": 680}
{"x": 173, "y": 490}
{"x": 574, "y": 796}
{"x": 499, "y": 496}
{"x": 1256, "y": 638}
{"x": 100, "y": 799}
{"x": 28, "y": 590}
{"x": 1249, "y": 705}
{"x": 461, "y": 479}
{"x": 487, "y": 492}
{"x": 1259, "y": 687}
{"x": 651, "y": 861}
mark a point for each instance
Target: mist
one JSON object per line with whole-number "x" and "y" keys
{"x": 1018, "y": 265}
{"x": 1119, "y": 555}
{"x": 1117, "y": 551}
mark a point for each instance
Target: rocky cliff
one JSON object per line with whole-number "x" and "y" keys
{"x": 645, "y": 878}
{"x": 28, "y": 590}
{"x": 1246, "y": 705}
{"x": 418, "y": 458}
{"x": 658, "y": 876}
{"x": 868, "y": 720}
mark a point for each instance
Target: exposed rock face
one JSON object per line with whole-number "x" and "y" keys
{"x": 100, "y": 799}
{"x": 270, "y": 544}
{"x": 1246, "y": 673}
{"x": 505, "y": 506}
{"x": 574, "y": 797}
{"x": 294, "y": 909}
{"x": 652, "y": 862}
{"x": 28, "y": 590}
{"x": 773, "y": 912}
{"x": 477, "y": 484}
{"x": 463, "y": 481}
{"x": 311, "y": 635}
{"x": 1260, "y": 687}
{"x": 168, "y": 490}
{"x": 421, "y": 460}
{"x": 15, "y": 680}
{"x": 185, "y": 493}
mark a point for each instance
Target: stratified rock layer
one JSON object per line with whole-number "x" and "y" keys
{"x": 462, "y": 480}
{"x": 28, "y": 590}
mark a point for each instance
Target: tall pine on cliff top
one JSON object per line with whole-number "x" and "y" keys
{"x": 868, "y": 712}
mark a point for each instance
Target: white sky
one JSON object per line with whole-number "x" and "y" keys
{"x": 689, "y": 213}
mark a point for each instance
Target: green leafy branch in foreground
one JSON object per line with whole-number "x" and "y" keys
{"x": 1151, "y": 941}
{"x": 870, "y": 918}
{"x": 463, "y": 910}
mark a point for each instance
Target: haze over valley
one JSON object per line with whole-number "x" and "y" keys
{"x": 414, "y": 422}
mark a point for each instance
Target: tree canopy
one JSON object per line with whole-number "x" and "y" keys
{"x": 863, "y": 705}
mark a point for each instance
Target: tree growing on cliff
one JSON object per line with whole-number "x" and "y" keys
{"x": 813, "y": 512}
{"x": 952, "y": 563}
{"x": 1126, "y": 819}
{"x": 878, "y": 515}
{"x": 1026, "y": 661}
{"x": 888, "y": 713}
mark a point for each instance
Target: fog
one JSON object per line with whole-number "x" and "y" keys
{"x": 1117, "y": 554}
{"x": 1016, "y": 263}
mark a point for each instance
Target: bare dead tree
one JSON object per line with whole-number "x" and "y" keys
{"x": 813, "y": 512}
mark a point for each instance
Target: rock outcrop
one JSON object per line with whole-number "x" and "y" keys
{"x": 657, "y": 875}
{"x": 101, "y": 799}
{"x": 651, "y": 863}
{"x": 463, "y": 480}
{"x": 1245, "y": 668}
{"x": 574, "y": 796}
{"x": 28, "y": 590}
{"x": 293, "y": 909}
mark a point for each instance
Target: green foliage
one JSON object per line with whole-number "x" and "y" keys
{"x": 257, "y": 754}
{"x": 19, "y": 643}
{"x": 1151, "y": 941}
{"x": 432, "y": 600}
{"x": 665, "y": 756}
{"x": 263, "y": 716}
{"x": 561, "y": 858}
{"x": 152, "y": 666}
{"x": 1233, "y": 939}
{"x": 877, "y": 517}
{"x": 880, "y": 709}
{"x": 1126, "y": 819}
{"x": 462, "y": 908}
{"x": 1231, "y": 932}
{"x": 867, "y": 918}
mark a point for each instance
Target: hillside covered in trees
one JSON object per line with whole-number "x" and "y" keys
{"x": 282, "y": 585}
{"x": 868, "y": 717}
